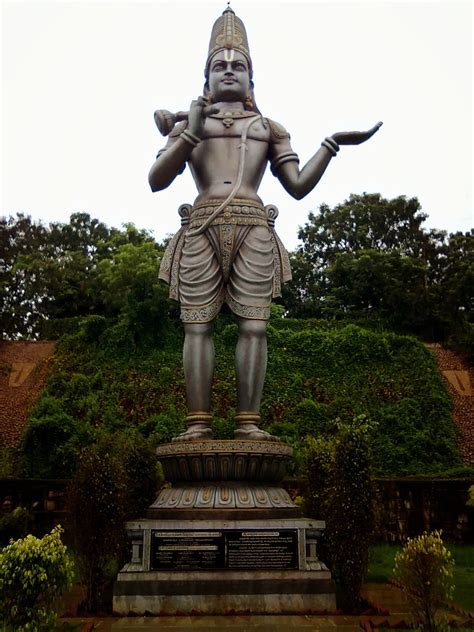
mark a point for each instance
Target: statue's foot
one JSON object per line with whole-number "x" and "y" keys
{"x": 253, "y": 433}
{"x": 195, "y": 432}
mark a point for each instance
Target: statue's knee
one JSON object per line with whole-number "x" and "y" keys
{"x": 198, "y": 329}
{"x": 254, "y": 328}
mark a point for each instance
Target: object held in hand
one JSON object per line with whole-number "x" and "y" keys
{"x": 166, "y": 120}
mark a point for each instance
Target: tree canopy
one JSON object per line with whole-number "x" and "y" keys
{"x": 59, "y": 271}
{"x": 370, "y": 258}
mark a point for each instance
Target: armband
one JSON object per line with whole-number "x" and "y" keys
{"x": 287, "y": 156}
{"x": 190, "y": 138}
{"x": 330, "y": 145}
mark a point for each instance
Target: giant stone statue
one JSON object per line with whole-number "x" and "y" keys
{"x": 227, "y": 250}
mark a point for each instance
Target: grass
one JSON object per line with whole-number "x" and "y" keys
{"x": 463, "y": 555}
{"x": 381, "y": 564}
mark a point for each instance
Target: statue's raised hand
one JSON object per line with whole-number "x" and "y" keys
{"x": 355, "y": 138}
{"x": 198, "y": 110}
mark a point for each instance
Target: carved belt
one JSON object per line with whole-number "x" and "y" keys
{"x": 245, "y": 213}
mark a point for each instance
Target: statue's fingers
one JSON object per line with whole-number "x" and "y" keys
{"x": 202, "y": 102}
{"x": 196, "y": 104}
{"x": 376, "y": 127}
{"x": 210, "y": 109}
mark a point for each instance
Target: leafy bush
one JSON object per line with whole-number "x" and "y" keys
{"x": 314, "y": 375}
{"x": 116, "y": 479}
{"x": 98, "y": 507}
{"x": 33, "y": 574}
{"x": 470, "y": 501}
{"x": 424, "y": 569}
{"x": 340, "y": 492}
{"x": 53, "y": 439}
{"x": 15, "y": 525}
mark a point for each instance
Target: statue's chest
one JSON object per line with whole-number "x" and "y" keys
{"x": 229, "y": 127}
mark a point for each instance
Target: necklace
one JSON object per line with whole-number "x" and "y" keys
{"x": 229, "y": 116}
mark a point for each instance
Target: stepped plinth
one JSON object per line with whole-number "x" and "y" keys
{"x": 225, "y": 537}
{"x": 227, "y": 480}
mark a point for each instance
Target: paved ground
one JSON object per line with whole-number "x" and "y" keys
{"x": 265, "y": 623}
{"x": 382, "y": 595}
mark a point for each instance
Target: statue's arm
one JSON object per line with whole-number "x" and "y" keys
{"x": 284, "y": 161}
{"x": 171, "y": 160}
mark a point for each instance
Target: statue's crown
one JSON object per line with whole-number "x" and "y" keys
{"x": 228, "y": 32}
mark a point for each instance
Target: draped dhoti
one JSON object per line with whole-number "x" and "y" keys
{"x": 238, "y": 260}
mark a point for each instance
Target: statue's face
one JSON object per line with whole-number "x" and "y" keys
{"x": 229, "y": 80}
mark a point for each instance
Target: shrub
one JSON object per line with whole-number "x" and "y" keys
{"x": 350, "y": 515}
{"x": 52, "y": 440}
{"x": 143, "y": 474}
{"x": 314, "y": 375}
{"x": 33, "y": 574}
{"x": 15, "y": 525}
{"x": 424, "y": 569}
{"x": 98, "y": 508}
{"x": 6, "y": 462}
{"x": 116, "y": 479}
{"x": 470, "y": 501}
{"x": 340, "y": 492}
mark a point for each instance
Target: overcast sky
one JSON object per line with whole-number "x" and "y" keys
{"x": 81, "y": 81}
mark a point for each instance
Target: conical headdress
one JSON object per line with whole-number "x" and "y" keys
{"x": 228, "y": 33}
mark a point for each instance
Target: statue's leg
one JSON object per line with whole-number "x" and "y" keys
{"x": 251, "y": 366}
{"x": 198, "y": 362}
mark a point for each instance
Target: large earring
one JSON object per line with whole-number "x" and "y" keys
{"x": 248, "y": 103}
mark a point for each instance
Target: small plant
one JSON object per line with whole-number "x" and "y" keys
{"x": 33, "y": 574}
{"x": 424, "y": 569}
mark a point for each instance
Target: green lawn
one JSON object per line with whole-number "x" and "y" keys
{"x": 381, "y": 562}
{"x": 463, "y": 575}
{"x": 381, "y": 567}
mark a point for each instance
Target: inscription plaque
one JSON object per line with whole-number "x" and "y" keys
{"x": 262, "y": 549}
{"x": 186, "y": 550}
{"x": 226, "y": 549}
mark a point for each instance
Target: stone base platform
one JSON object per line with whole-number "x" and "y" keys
{"x": 236, "y": 592}
{"x": 219, "y": 567}
{"x": 224, "y": 538}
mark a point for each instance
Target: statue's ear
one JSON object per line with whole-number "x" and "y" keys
{"x": 205, "y": 91}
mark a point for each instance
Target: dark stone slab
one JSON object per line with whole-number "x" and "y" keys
{"x": 231, "y": 549}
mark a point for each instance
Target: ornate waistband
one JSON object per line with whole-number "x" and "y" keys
{"x": 239, "y": 212}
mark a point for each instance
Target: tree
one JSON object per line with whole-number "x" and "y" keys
{"x": 453, "y": 294}
{"x": 369, "y": 258}
{"x": 365, "y": 222}
{"x": 129, "y": 289}
{"x": 50, "y": 272}
{"x": 388, "y": 285}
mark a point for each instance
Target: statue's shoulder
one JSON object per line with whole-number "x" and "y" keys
{"x": 277, "y": 131}
{"x": 178, "y": 128}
